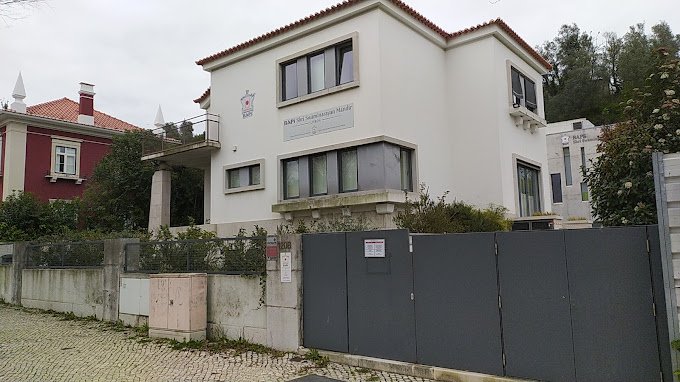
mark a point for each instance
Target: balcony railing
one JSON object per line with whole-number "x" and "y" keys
{"x": 175, "y": 135}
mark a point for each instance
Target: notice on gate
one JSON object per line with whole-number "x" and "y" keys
{"x": 286, "y": 267}
{"x": 374, "y": 248}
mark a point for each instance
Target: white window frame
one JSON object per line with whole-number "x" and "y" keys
{"x": 280, "y": 102}
{"x": 243, "y": 187}
{"x": 68, "y": 143}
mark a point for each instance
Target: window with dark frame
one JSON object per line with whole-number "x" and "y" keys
{"x": 348, "y": 170}
{"x": 577, "y": 125}
{"x": 406, "y": 169}
{"x": 566, "y": 154}
{"x": 291, "y": 176}
{"x": 315, "y": 71}
{"x": 556, "y": 182}
{"x": 584, "y": 192}
{"x": 318, "y": 174}
{"x": 254, "y": 175}
{"x": 523, "y": 90}
{"x": 234, "y": 178}
{"x": 528, "y": 184}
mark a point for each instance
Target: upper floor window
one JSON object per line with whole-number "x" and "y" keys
{"x": 577, "y": 125}
{"x": 523, "y": 91}
{"x": 320, "y": 68}
{"x": 318, "y": 174}
{"x": 243, "y": 177}
{"x": 65, "y": 158}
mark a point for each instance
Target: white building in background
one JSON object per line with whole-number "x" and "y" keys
{"x": 572, "y": 145}
{"x": 349, "y": 110}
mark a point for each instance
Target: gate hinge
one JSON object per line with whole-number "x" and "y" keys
{"x": 410, "y": 244}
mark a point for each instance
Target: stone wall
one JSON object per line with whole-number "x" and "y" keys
{"x": 80, "y": 291}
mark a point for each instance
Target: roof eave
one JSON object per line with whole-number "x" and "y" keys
{"x": 7, "y": 116}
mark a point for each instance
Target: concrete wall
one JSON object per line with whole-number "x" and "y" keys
{"x": 234, "y": 308}
{"x": 80, "y": 291}
{"x": 6, "y": 283}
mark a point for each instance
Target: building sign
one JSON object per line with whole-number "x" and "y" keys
{"x": 286, "y": 267}
{"x": 374, "y": 248}
{"x": 583, "y": 138}
{"x": 248, "y": 104}
{"x": 272, "y": 247}
{"x": 320, "y": 122}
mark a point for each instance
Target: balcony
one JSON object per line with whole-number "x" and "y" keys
{"x": 187, "y": 143}
{"x": 526, "y": 118}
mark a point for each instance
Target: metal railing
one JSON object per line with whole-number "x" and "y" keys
{"x": 201, "y": 128}
{"x": 236, "y": 255}
{"x": 81, "y": 254}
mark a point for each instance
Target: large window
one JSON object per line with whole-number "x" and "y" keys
{"x": 318, "y": 174}
{"x": 583, "y": 158}
{"x": 405, "y": 169}
{"x": 291, "y": 176}
{"x": 323, "y": 68}
{"x": 523, "y": 90}
{"x": 556, "y": 182}
{"x": 349, "y": 170}
{"x": 244, "y": 176}
{"x": 528, "y": 178}
{"x": 65, "y": 159}
{"x": 566, "y": 154}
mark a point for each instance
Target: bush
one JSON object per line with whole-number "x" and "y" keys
{"x": 25, "y": 217}
{"x": 437, "y": 216}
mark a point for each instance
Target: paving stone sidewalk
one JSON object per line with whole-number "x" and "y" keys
{"x": 36, "y": 346}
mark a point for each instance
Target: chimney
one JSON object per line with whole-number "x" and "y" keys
{"x": 86, "y": 108}
{"x": 19, "y": 94}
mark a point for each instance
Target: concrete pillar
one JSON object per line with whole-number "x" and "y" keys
{"x": 114, "y": 263}
{"x": 206, "y": 195}
{"x": 284, "y": 299}
{"x": 18, "y": 265}
{"x": 14, "y": 147}
{"x": 159, "y": 208}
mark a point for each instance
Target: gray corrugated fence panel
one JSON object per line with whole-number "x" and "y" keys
{"x": 381, "y": 314}
{"x": 535, "y": 305}
{"x": 456, "y": 302}
{"x": 660, "y": 302}
{"x": 611, "y": 304}
{"x": 324, "y": 286}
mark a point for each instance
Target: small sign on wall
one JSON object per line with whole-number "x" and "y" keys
{"x": 374, "y": 248}
{"x": 272, "y": 247}
{"x": 286, "y": 267}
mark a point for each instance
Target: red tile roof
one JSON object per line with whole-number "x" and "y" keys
{"x": 67, "y": 110}
{"x": 348, "y": 3}
{"x": 203, "y": 96}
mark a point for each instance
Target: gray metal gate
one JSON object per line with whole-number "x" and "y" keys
{"x": 549, "y": 305}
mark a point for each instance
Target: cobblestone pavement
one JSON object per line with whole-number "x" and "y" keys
{"x": 36, "y": 346}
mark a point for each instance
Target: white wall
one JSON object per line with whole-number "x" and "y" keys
{"x": 6, "y": 283}
{"x": 236, "y": 308}
{"x": 80, "y": 291}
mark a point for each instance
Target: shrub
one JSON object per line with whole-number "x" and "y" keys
{"x": 25, "y": 217}
{"x": 437, "y": 216}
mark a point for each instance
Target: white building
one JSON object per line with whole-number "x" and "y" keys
{"x": 342, "y": 111}
{"x": 572, "y": 145}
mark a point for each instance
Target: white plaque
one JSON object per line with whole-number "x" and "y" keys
{"x": 374, "y": 248}
{"x": 286, "y": 267}
{"x": 323, "y": 121}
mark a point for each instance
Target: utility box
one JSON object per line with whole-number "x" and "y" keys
{"x": 178, "y": 306}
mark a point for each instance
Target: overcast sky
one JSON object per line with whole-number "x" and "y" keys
{"x": 141, "y": 53}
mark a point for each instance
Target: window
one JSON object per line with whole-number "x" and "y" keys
{"x": 244, "y": 176}
{"x": 318, "y": 69}
{"x": 567, "y": 166}
{"x": 349, "y": 174}
{"x": 556, "y": 181}
{"x": 291, "y": 176}
{"x": 523, "y": 90}
{"x": 290, "y": 82}
{"x": 65, "y": 159}
{"x": 319, "y": 175}
{"x": 577, "y": 125}
{"x": 583, "y": 158}
{"x": 584, "y": 192}
{"x": 528, "y": 185}
{"x": 406, "y": 170}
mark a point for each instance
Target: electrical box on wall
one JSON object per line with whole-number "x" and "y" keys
{"x": 178, "y": 306}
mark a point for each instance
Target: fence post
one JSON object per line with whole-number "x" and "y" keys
{"x": 18, "y": 264}
{"x": 114, "y": 262}
{"x": 284, "y": 296}
{"x": 661, "y": 184}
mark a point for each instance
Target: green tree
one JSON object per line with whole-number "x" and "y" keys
{"x": 25, "y": 217}
{"x": 119, "y": 194}
{"x": 621, "y": 181}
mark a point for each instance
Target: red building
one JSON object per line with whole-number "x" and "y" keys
{"x": 51, "y": 149}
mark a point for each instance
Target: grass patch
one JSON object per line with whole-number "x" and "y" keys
{"x": 372, "y": 378}
{"x": 363, "y": 370}
{"x": 320, "y": 361}
{"x": 223, "y": 345}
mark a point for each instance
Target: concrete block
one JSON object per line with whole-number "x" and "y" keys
{"x": 255, "y": 335}
{"x": 283, "y": 327}
{"x": 284, "y": 294}
{"x": 133, "y": 319}
{"x": 675, "y": 242}
{"x": 389, "y": 366}
{"x": 198, "y": 335}
{"x": 673, "y": 192}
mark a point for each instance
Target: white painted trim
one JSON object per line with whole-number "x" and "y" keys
{"x": 241, "y": 165}
{"x": 68, "y": 143}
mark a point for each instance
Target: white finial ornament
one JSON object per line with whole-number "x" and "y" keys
{"x": 159, "y": 121}
{"x": 19, "y": 94}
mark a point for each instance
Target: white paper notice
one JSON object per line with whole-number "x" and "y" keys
{"x": 374, "y": 248}
{"x": 286, "y": 267}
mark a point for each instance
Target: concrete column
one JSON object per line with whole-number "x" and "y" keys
{"x": 159, "y": 208}
{"x": 18, "y": 265}
{"x": 14, "y": 147}
{"x": 206, "y": 195}
{"x": 284, "y": 299}
{"x": 114, "y": 263}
